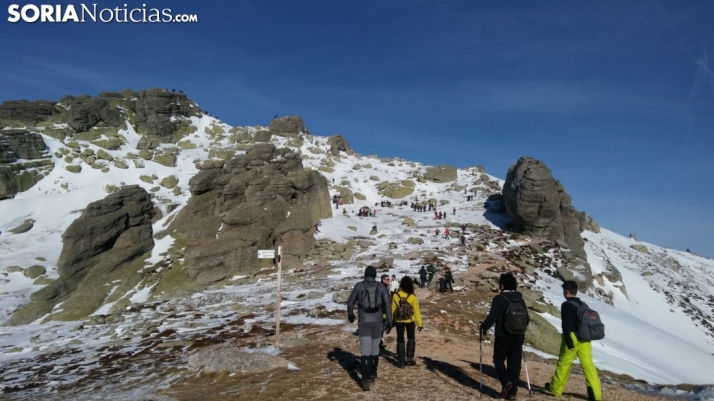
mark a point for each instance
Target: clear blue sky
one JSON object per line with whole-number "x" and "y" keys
{"x": 616, "y": 97}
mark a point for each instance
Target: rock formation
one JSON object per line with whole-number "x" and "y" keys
{"x": 254, "y": 201}
{"x": 23, "y": 160}
{"x": 287, "y": 126}
{"x": 105, "y": 244}
{"x": 337, "y": 144}
{"x": 538, "y": 205}
{"x": 440, "y": 174}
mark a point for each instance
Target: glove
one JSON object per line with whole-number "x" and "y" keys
{"x": 388, "y": 328}
{"x": 351, "y": 318}
{"x": 419, "y": 328}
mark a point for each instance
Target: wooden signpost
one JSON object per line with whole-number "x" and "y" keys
{"x": 270, "y": 254}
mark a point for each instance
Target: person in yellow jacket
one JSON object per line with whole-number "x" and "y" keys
{"x": 570, "y": 347}
{"x": 405, "y": 309}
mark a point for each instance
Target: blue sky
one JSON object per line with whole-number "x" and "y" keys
{"x": 616, "y": 97}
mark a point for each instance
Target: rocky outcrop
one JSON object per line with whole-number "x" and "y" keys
{"x": 153, "y": 110}
{"x": 338, "y": 144}
{"x": 440, "y": 174}
{"x": 103, "y": 246}
{"x": 21, "y": 144}
{"x": 538, "y": 205}
{"x": 86, "y": 112}
{"x": 229, "y": 359}
{"x": 287, "y": 126}
{"x": 23, "y": 156}
{"x": 396, "y": 190}
{"x": 255, "y": 201}
{"x": 24, "y": 112}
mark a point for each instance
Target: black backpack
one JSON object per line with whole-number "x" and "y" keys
{"x": 515, "y": 320}
{"x": 589, "y": 326}
{"x": 371, "y": 297}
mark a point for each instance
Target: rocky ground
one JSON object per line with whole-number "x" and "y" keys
{"x": 448, "y": 358}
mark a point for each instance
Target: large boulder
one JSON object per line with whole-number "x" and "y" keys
{"x": 287, "y": 126}
{"x": 101, "y": 247}
{"x": 538, "y": 205}
{"x": 255, "y": 201}
{"x": 338, "y": 144}
{"x": 21, "y": 144}
{"x": 155, "y": 112}
{"x": 86, "y": 112}
{"x": 440, "y": 174}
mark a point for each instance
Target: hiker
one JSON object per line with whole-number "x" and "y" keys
{"x": 448, "y": 279}
{"x": 394, "y": 285}
{"x": 405, "y": 308}
{"x": 422, "y": 276}
{"x": 570, "y": 347}
{"x": 463, "y": 240}
{"x": 463, "y": 228}
{"x": 385, "y": 282}
{"x": 373, "y": 301}
{"x": 509, "y": 313}
{"x": 431, "y": 269}
{"x": 454, "y": 211}
{"x": 437, "y": 232}
{"x": 447, "y": 234}
{"x": 374, "y": 228}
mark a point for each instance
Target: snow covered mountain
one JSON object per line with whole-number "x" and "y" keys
{"x": 657, "y": 303}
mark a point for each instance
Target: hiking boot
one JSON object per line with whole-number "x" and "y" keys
{"x": 512, "y": 397}
{"x": 547, "y": 388}
{"x": 411, "y": 347}
{"x": 365, "y": 361}
{"x": 506, "y": 390}
{"x": 373, "y": 367}
{"x": 400, "y": 355}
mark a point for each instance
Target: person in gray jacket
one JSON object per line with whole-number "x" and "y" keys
{"x": 373, "y": 301}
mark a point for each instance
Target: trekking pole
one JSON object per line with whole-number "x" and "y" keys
{"x": 480, "y": 360}
{"x": 528, "y": 379}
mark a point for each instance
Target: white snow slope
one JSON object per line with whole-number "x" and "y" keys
{"x": 660, "y": 331}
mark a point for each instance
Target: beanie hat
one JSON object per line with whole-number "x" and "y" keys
{"x": 370, "y": 271}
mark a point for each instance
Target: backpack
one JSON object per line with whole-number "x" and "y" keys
{"x": 404, "y": 311}
{"x": 589, "y": 326}
{"x": 371, "y": 297}
{"x": 515, "y": 321}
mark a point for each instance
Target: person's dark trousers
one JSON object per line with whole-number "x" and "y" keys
{"x": 508, "y": 349}
{"x": 411, "y": 341}
{"x": 448, "y": 283}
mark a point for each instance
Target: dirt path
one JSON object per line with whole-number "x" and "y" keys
{"x": 448, "y": 361}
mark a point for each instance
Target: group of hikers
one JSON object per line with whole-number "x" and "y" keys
{"x": 384, "y": 305}
{"x": 337, "y": 201}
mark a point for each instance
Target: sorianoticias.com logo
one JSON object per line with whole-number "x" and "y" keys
{"x": 93, "y": 13}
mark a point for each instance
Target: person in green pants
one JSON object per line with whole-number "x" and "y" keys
{"x": 570, "y": 347}
{"x": 432, "y": 270}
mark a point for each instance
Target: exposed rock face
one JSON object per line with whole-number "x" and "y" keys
{"x": 21, "y": 143}
{"x": 254, "y": 201}
{"x": 287, "y": 126}
{"x": 26, "y": 112}
{"x": 218, "y": 359}
{"x": 443, "y": 173}
{"x": 538, "y": 206}
{"x": 100, "y": 247}
{"x": 153, "y": 110}
{"x": 338, "y": 143}
{"x": 86, "y": 112}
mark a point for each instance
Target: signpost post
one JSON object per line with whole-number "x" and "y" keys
{"x": 270, "y": 254}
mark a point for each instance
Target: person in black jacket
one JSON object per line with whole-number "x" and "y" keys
{"x": 507, "y": 346}
{"x": 370, "y": 324}
{"x": 571, "y": 346}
